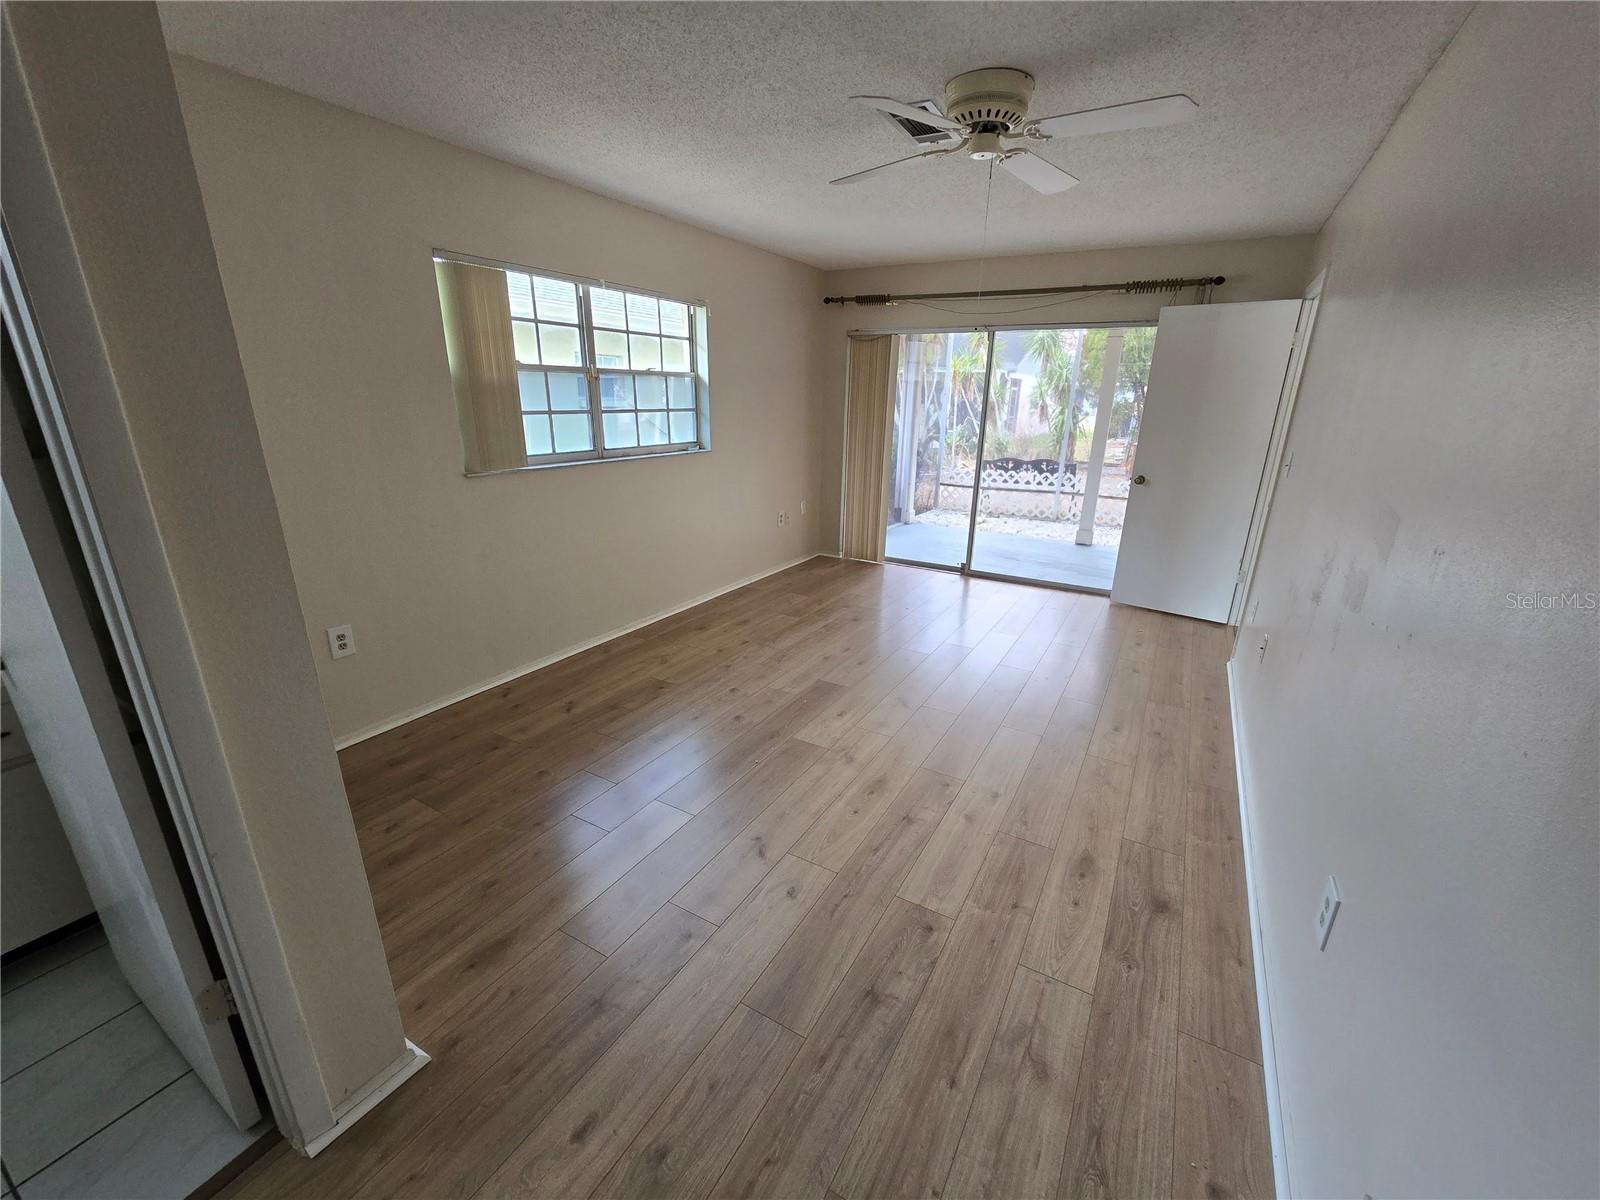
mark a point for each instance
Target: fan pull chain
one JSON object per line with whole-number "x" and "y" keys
{"x": 983, "y": 250}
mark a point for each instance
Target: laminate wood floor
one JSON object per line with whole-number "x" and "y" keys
{"x": 860, "y": 881}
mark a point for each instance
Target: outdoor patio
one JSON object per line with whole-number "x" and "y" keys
{"x": 1053, "y": 560}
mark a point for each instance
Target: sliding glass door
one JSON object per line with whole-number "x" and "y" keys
{"x": 1021, "y": 470}
{"x": 934, "y": 446}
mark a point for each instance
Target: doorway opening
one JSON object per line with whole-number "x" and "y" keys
{"x": 1012, "y": 450}
{"x": 126, "y": 1072}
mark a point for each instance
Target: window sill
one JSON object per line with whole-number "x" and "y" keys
{"x": 587, "y": 462}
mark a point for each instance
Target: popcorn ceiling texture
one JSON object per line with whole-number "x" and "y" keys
{"x": 733, "y": 116}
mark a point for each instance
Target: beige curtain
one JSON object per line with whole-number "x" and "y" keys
{"x": 868, "y": 417}
{"x": 483, "y": 364}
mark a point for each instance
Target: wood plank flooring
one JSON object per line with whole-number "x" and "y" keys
{"x": 861, "y": 881}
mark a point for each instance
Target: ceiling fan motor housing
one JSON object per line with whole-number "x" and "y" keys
{"x": 990, "y": 100}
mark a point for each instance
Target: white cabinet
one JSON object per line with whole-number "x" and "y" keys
{"x": 41, "y": 888}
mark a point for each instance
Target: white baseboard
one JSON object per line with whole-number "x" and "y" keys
{"x": 369, "y": 1097}
{"x": 1269, "y": 1058}
{"x": 412, "y": 714}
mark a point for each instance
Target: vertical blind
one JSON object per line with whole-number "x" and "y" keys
{"x": 483, "y": 364}
{"x": 869, "y": 409}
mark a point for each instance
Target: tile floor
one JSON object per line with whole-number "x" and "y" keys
{"x": 1053, "y": 561}
{"x": 96, "y": 1101}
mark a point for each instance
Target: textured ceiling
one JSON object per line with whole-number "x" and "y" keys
{"x": 733, "y": 116}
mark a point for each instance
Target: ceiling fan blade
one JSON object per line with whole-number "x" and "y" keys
{"x": 895, "y": 163}
{"x": 910, "y": 112}
{"x": 1038, "y": 173}
{"x": 1137, "y": 114}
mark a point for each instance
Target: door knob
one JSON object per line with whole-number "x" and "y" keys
{"x": 1139, "y": 479}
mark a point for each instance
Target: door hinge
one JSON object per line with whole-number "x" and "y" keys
{"x": 216, "y": 1002}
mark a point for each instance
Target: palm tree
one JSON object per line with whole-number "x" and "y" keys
{"x": 966, "y": 391}
{"x": 1056, "y": 370}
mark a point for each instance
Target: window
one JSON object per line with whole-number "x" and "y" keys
{"x": 600, "y": 371}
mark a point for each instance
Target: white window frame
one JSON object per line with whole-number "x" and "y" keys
{"x": 698, "y": 374}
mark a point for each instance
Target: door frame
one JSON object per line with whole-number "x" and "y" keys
{"x": 293, "y": 1086}
{"x": 1274, "y": 468}
{"x": 61, "y": 687}
{"x": 965, "y": 567}
{"x": 39, "y": 382}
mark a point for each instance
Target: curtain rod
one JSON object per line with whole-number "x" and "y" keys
{"x": 1133, "y": 287}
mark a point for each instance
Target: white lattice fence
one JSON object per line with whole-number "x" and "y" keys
{"x": 1034, "y": 488}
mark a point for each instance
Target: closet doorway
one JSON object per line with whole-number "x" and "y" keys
{"x": 1012, "y": 450}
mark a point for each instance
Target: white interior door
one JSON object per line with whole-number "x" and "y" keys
{"x": 1216, "y": 376}
{"x": 67, "y": 708}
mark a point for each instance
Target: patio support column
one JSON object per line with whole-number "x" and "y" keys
{"x": 1110, "y": 364}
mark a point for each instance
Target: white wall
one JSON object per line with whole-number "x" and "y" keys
{"x": 1408, "y": 731}
{"x": 102, "y": 205}
{"x": 1257, "y": 269}
{"x": 324, "y": 223}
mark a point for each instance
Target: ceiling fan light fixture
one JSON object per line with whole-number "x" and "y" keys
{"x": 991, "y": 99}
{"x": 985, "y": 147}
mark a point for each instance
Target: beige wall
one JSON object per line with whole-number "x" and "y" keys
{"x": 1409, "y": 731}
{"x": 324, "y": 221}
{"x": 1259, "y": 269}
{"x": 102, "y": 205}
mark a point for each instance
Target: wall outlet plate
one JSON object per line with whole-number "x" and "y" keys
{"x": 341, "y": 641}
{"x": 1327, "y": 910}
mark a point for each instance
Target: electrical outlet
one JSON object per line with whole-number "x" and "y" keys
{"x": 341, "y": 641}
{"x": 780, "y": 520}
{"x": 1327, "y": 910}
{"x": 1261, "y": 650}
{"x": 802, "y": 508}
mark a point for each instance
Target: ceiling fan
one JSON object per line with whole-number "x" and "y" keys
{"x": 987, "y": 108}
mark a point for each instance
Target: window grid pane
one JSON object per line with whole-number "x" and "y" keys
{"x": 607, "y": 308}
{"x": 610, "y": 349}
{"x": 525, "y": 340}
{"x": 645, "y": 352}
{"x": 650, "y": 391}
{"x": 569, "y": 391}
{"x": 674, "y": 319}
{"x": 560, "y": 345}
{"x": 536, "y": 433}
{"x": 653, "y": 429}
{"x": 621, "y": 431}
{"x": 531, "y": 388}
{"x": 573, "y": 432}
{"x": 674, "y": 354}
{"x": 520, "y": 292}
{"x": 616, "y": 390}
{"x": 643, "y": 315}
{"x": 557, "y": 299}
